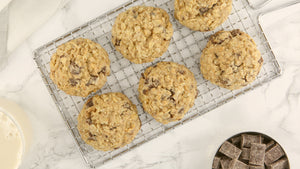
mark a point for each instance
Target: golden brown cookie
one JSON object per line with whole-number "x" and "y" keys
{"x": 108, "y": 121}
{"x": 167, "y": 91}
{"x": 79, "y": 67}
{"x": 202, "y": 15}
{"x": 230, "y": 59}
{"x": 142, "y": 33}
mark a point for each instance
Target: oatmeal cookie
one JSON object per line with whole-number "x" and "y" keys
{"x": 167, "y": 91}
{"x": 79, "y": 67}
{"x": 202, "y": 15}
{"x": 142, "y": 34}
{"x": 108, "y": 121}
{"x": 230, "y": 59}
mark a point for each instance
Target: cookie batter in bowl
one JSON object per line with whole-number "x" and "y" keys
{"x": 11, "y": 142}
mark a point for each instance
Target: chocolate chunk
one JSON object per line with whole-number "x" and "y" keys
{"x": 155, "y": 83}
{"x": 92, "y": 137}
{"x": 89, "y": 120}
{"x": 103, "y": 70}
{"x": 236, "y": 32}
{"x": 238, "y": 65}
{"x": 171, "y": 115}
{"x": 222, "y": 72}
{"x": 147, "y": 81}
{"x": 270, "y": 144}
{"x": 280, "y": 164}
{"x": 152, "y": 86}
{"x": 245, "y": 78}
{"x": 89, "y": 103}
{"x": 73, "y": 82}
{"x": 127, "y": 106}
{"x": 225, "y": 81}
{"x": 118, "y": 42}
{"x": 247, "y": 139}
{"x": 236, "y": 164}
{"x": 257, "y": 154}
{"x": 273, "y": 154}
{"x": 216, "y": 163}
{"x": 112, "y": 128}
{"x": 261, "y": 60}
{"x": 142, "y": 75}
{"x": 181, "y": 111}
{"x": 116, "y": 148}
{"x": 219, "y": 42}
{"x": 62, "y": 56}
{"x": 145, "y": 91}
{"x": 172, "y": 92}
{"x": 171, "y": 97}
{"x": 135, "y": 14}
{"x": 225, "y": 163}
{"x": 236, "y": 140}
{"x": 203, "y": 10}
{"x": 230, "y": 150}
{"x": 181, "y": 72}
{"x": 245, "y": 154}
{"x": 74, "y": 68}
{"x": 92, "y": 80}
{"x": 216, "y": 55}
{"x": 256, "y": 167}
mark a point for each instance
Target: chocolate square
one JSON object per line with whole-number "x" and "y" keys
{"x": 270, "y": 144}
{"x": 273, "y": 154}
{"x": 225, "y": 163}
{"x": 236, "y": 164}
{"x": 245, "y": 154}
{"x": 216, "y": 163}
{"x": 230, "y": 150}
{"x": 236, "y": 140}
{"x": 280, "y": 164}
{"x": 257, "y": 154}
{"x": 247, "y": 139}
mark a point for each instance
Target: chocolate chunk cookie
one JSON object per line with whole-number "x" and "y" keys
{"x": 202, "y": 15}
{"x": 79, "y": 67}
{"x": 108, "y": 121}
{"x": 230, "y": 59}
{"x": 142, "y": 33}
{"x": 167, "y": 91}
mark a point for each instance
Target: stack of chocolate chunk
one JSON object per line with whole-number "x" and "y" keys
{"x": 250, "y": 151}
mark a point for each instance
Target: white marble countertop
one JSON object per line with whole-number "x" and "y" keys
{"x": 273, "y": 109}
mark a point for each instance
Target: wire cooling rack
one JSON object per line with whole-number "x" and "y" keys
{"x": 185, "y": 48}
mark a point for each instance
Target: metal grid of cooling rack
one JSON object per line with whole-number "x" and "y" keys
{"x": 185, "y": 48}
